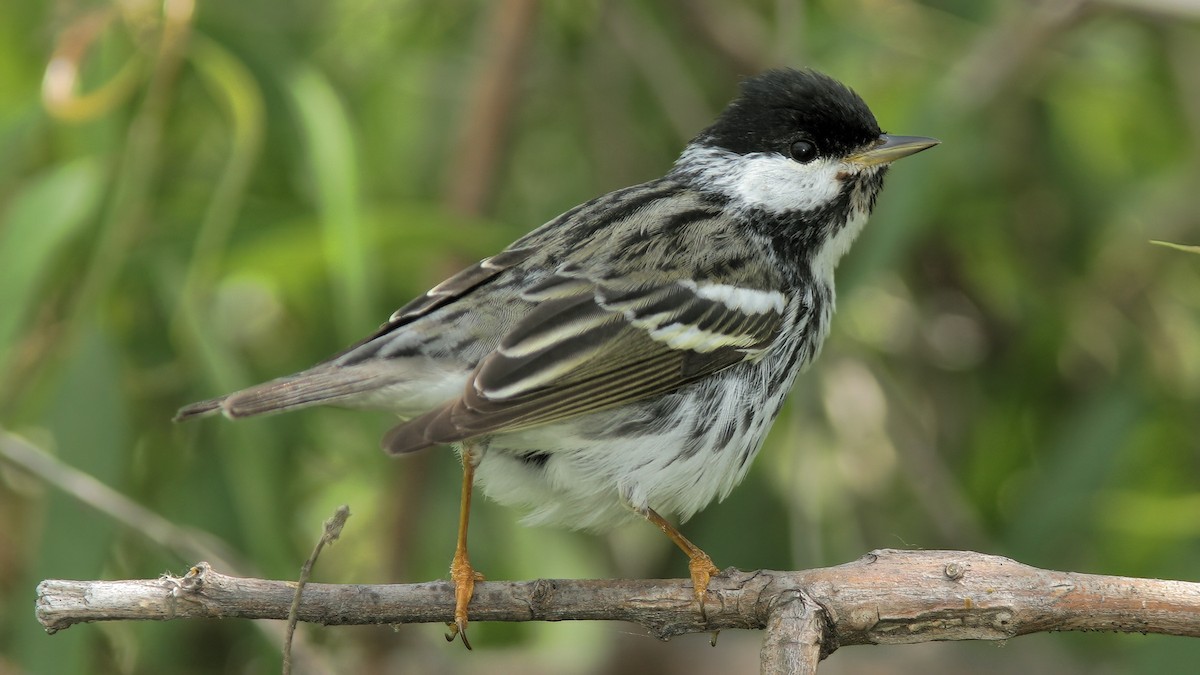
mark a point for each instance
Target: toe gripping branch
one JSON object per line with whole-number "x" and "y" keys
{"x": 462, "y": 574}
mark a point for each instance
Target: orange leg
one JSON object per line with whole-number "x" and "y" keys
{"x": 700, "y": 565}
{"x": 461, "y": 573}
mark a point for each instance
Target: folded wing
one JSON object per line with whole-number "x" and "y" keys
{"x": 592, "y": 345}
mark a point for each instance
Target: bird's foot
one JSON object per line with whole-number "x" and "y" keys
{"x": 702, "y": 570}
{"x": 463, "y": 576}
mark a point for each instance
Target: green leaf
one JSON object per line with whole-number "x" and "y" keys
{"x": 1177, "y": 247}
{"x": 333, "y": 165}
{"x": 50, "y": 209}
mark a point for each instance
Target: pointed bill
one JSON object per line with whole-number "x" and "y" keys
{"x": 890, "y": 148}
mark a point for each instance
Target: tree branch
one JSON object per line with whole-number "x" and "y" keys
{"x": 798, "y": 636}
{"x": 886, "y": 597}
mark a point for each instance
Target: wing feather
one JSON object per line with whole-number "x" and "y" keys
{"x": 452, "y": 289}
{"x": 597, "y": 347}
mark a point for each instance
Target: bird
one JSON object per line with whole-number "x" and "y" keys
{"x": 626, "y": 359}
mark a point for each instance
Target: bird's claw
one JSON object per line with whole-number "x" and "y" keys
{"x": 463, "y": 576}
{"x": 458, "y": 628}
{"x": 702, "y": 570}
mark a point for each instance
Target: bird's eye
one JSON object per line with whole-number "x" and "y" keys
{"x": 803, "y": 151}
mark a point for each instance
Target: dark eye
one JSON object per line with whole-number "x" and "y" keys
{"x": 803, "y": 151}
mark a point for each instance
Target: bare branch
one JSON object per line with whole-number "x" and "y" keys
{"x": 333, "y": 530}
{"x": 886, "y": 597}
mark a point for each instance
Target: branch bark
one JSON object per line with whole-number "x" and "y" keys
{"x": 798, "y": 635}
{"x": 886, "y": 597}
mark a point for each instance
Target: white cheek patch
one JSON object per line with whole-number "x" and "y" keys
{"x": 767, "y": 181}
{"x": 777, "y": 184}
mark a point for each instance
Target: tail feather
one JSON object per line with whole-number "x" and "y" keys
{"x": 322, "y": 385}
{"x": 199, "y": 409}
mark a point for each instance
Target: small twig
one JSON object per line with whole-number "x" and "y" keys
{"x": 185, "y": 542}
{"x": 333, "y": 530}
{"x": 182, "y": 541}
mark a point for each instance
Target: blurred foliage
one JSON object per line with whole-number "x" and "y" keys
{"x": 193, "y": 199}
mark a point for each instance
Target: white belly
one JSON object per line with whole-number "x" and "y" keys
{"x": 674, "y": 453}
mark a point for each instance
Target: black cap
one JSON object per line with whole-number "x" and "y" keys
{"x": 780, "y": 107}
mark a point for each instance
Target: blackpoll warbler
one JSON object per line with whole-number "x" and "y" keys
{"x": 628, "y": 357}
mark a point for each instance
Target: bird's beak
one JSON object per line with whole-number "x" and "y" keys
{"x": 891, "y": 148}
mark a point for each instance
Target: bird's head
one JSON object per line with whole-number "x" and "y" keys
{"x": 793, "y": 141}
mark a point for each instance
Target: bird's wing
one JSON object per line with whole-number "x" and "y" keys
{"x": 450, "y": 290}
{"x": 594, "y": 344}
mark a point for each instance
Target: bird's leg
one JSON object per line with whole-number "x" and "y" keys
{"x": 461, "y": 573}
{"x": 700, "y": 565}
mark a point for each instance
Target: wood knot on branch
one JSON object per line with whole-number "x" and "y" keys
{"x": 541, "y": 596}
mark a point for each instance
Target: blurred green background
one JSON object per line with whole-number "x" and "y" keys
{"x": 193, "y": 199}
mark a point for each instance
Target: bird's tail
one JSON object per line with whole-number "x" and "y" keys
{"x": 317, "y": 386}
